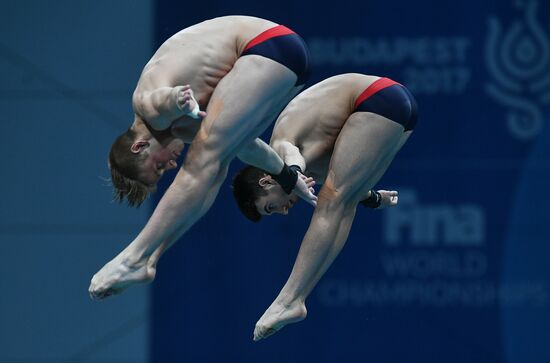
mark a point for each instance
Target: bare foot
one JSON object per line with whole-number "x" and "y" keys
{"x": 277, "y": 316}
{"x": 119, "y": 274}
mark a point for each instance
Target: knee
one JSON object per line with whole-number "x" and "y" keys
{"x": 202, "y": 159}
{"x": 334, "y": 200}
{"x": 211, "y": 172}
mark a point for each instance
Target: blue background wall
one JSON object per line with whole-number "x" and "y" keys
{"x": 67, "y": 72}
{"x": 457, "y": 272}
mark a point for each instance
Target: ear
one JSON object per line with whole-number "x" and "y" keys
{"x": 138, "y": 146}
{"x": 266, "y": 180}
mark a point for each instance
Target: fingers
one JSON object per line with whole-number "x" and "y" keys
{"x": 313, "y": 200}
{"x": 391, "y": 193}
{"x": 393, "y": 197}
{"x": 389, "y": 198}
{"x": 185, "y": 94}
{"x": 186, "y": 102}
{"x": 308, "y": 180}
{"x": 184, "y": 98}
{"x": 310, "y": 183}
{"x": 305, "y": 191}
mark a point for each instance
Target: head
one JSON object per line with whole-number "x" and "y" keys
{"x": 257, "y": 194}
{"x": 137, "y": 162}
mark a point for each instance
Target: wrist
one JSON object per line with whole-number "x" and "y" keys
{"x": 287, "y": 177}
{"x": 374, "y": 199}
{"x": 296, "y": 168}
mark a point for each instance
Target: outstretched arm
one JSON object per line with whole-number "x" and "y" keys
{"x": 261, "y": 155}
{"x": 290, "y": 153}
{"x": 380, "y": 199}
{"x": 194, "y": 190}
{"x": 166, "y": 104}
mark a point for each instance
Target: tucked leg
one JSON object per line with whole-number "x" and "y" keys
{"x": 363, "y": 150}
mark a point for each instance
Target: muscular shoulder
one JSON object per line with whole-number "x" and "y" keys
{"x": 138, "y": 101}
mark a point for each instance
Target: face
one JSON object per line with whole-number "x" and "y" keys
{"x": 276, "y": 200}
{"x": 159, "y": 159}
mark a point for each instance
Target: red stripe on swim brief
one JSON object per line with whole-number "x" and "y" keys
{"x": 375, "y": 86}
{"x": 268, "y": 34}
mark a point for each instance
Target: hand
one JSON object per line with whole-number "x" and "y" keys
{"x": 304, "y": 189}
{"x": 308, "y": 180}
{"x": 389, "y": 198}
{"x": 187, "y": 103}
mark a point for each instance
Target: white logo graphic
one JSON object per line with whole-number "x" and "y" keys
{"x": 433, "y": 255}
{"x": 433, "y": 225}
{"x": 518, "y": 60}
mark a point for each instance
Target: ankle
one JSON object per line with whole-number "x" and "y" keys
{"x": 288, "y": 301}
{"x": 130, "y": 258}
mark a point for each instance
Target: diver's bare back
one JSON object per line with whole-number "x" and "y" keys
{"x": 314, "y": 119}
{"x": 201, "y": 55}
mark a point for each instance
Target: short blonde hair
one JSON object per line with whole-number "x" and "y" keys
{"x": 125, "y": 169}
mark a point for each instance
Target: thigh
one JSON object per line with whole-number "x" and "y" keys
{"x": 363, "y": 150}
{"x": 251, "y": 93}
{"x": 271, "y": 117}
{"x": 384, "y": 166}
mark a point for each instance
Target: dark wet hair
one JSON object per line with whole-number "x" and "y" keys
{"x": 247, "y": 189}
